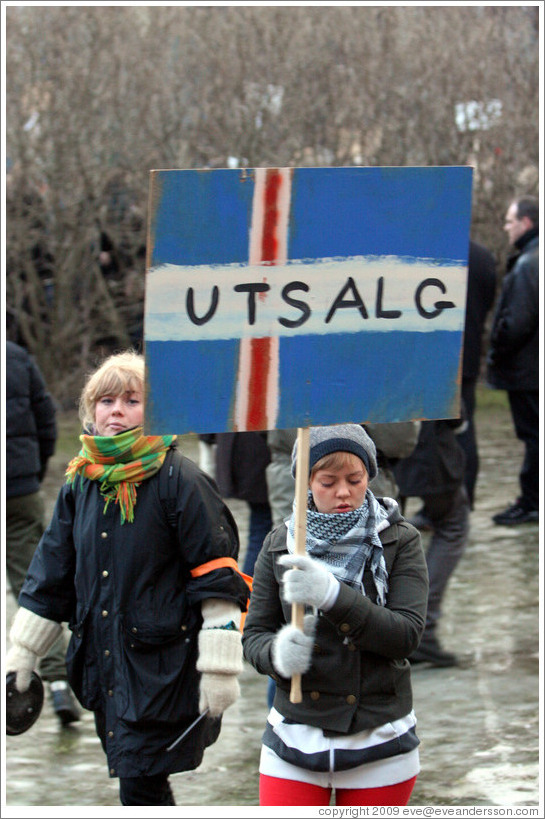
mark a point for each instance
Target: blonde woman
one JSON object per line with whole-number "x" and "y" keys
{"x": 155, "y": 639}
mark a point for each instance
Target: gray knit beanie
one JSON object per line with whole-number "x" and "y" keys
{"x": 340, "y": 438}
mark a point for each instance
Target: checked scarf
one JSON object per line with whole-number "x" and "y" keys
{"x": 344, "y": 543}
{"x": 120, "y": 463}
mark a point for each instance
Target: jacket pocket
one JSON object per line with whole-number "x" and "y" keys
{"x": 82, "y": 670}
{"x": 158, "y": 666}
{"x": 148, "y": 636}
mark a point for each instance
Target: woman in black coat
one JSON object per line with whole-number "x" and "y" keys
{"x": 155, "y": 637}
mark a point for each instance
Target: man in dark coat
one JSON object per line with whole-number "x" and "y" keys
{"x": 241, "y": 461}
{"x": 31, "y": 434}
{"x": 481, "y": 292}
{"x": 434, "y": 472}
{"x": 513, "y": 357}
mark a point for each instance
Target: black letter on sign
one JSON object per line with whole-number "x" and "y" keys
{"x": 252, "y": 289}
{"x": 439, "y": 305}
{"x": 190, "y": 306}
{"x": 379, "y": 312}
{"x": 341, "y": 302}
{"x": 301, "y": 305}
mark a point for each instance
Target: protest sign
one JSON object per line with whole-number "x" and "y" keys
{"x": 295, "y": 297}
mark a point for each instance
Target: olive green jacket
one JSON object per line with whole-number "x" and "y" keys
{"x": 359, "y": 677}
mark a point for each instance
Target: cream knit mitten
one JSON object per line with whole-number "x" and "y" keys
{"x": 220, "y": 656}
{"x": 31, "y": 637}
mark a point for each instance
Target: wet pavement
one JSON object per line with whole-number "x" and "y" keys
{"x": 478, "y": 723}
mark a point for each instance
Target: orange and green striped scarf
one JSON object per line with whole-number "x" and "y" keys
{"x": 120, "y": 463}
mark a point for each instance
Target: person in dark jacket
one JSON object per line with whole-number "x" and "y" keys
{"x": 513, "y": 354}
{"x": 31, "y": 434}
{"x": 363, "y": 584}
{"x": 435, "y": 472}
{"x": 154, "y": 608}
{"x": 241, "y": 462}
{"x": 481, "y": 293}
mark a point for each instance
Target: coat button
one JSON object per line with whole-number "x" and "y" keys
{"x": 134, "y": 630}
{"x": 183, "y": 628}
{"x": 314, "y": 695}
{"x": 107, "y": 653}
{"x": 351, "y": 699}
{"x": 110, "y": 733}
{"x": 112, "y": 771}
{"x": 105, "y": 573}
{"x": 104, "y": 535}
{"x": 110, "y": 693}
{"x": 344, "y": 628}
{"x": 104, "y": 613}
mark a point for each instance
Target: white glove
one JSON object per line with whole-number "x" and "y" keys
{"x": 309, "y": 583}
{"x": 292, "y": 648}
{"x": 31, "y": 638}
{"x": 220, "y": 662}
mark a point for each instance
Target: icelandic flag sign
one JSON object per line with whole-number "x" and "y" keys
{"x": 296, "y": 297}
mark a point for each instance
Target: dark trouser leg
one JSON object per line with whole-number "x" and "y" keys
{"x": 24, "y": 528}
{"x": 525, "y": 412}
{"x": 137, "y": 790}
{"x": 468, "y": 440}
{"x": 450, "y": 517}
{"x": 146, "y": 790}
{"x": 260, "y": 525}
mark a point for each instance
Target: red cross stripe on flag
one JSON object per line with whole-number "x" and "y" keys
{"x": 256, "y": 403}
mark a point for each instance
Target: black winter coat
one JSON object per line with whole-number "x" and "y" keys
{"x": 481, "y": 292}
{"x": 31, "y": 428}
{"x": 437, "y": 464}
{"x": 134, "y": 610}
{"x": 359, "y": 677}
{"x": 513, "y": 356}
{"x": 241, "y": 461}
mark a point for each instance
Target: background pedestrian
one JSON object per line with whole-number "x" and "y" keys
{"x": 481, "y": 292}
{"x": 435, "y": 472}
{"x": 31, "y": 434}
{"x": 241, "y": 461}
{"x": 513, "y": 355}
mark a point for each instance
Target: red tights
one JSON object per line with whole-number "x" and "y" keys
{"x": 274, "y": 791}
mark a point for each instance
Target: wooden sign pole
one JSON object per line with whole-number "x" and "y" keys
{"x": 301, "y": 489}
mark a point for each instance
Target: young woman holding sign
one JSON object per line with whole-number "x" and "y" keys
{"x": 363, "y": 584}
{"x": 151, "y": 591}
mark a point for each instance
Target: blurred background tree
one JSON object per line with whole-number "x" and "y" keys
{"x": 96, "y": 97}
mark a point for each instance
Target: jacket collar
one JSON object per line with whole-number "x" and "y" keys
{"x": 526, "y": 238}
